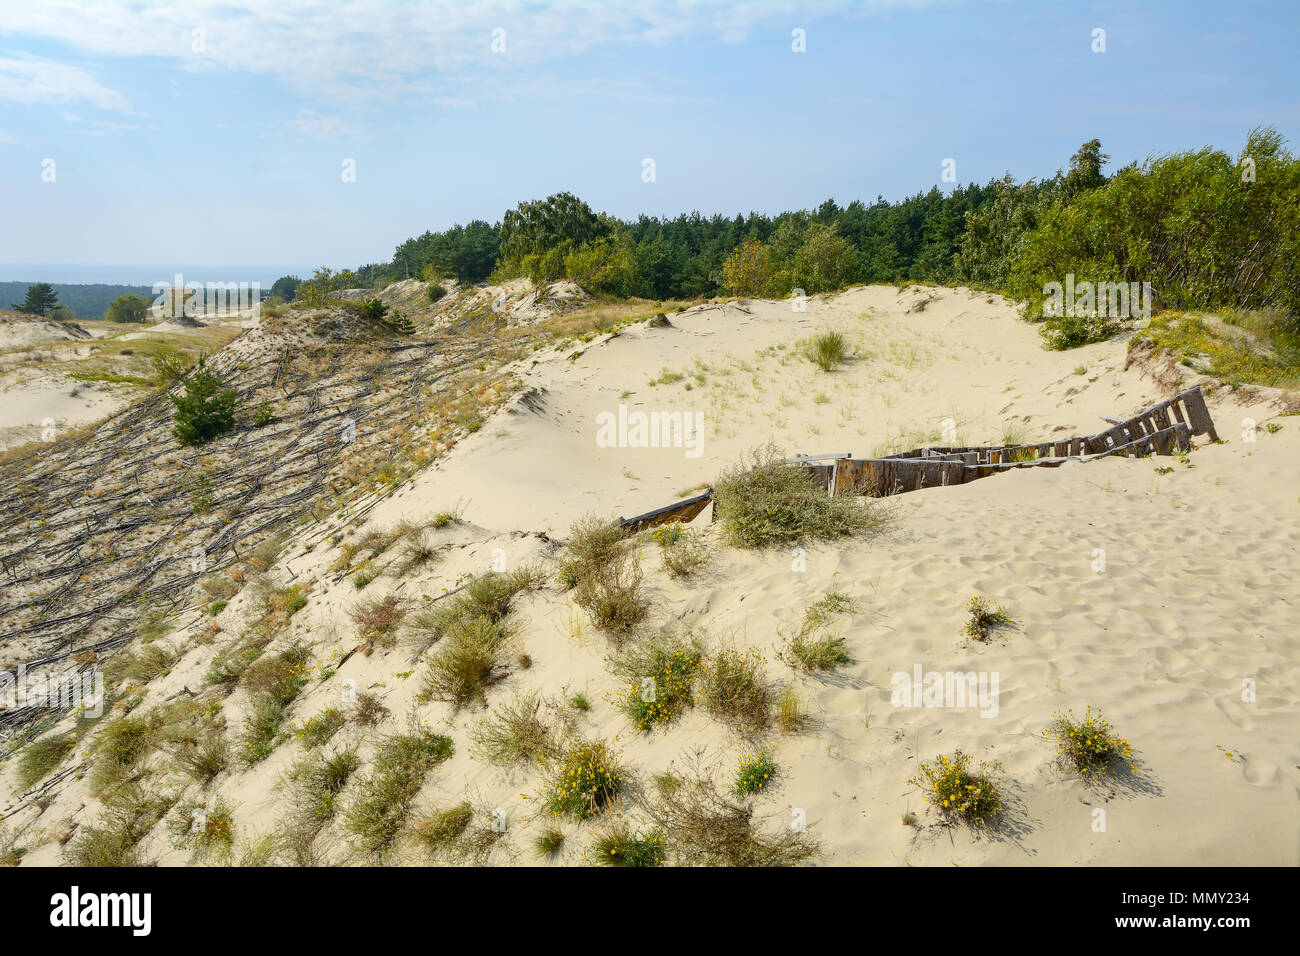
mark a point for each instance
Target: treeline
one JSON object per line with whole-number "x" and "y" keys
{"x": 88, "y": 301}
{"x": 1205, "y": 229}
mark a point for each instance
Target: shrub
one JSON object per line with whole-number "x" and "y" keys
{"x": 701, "y": 827}
{"x": 587, "y": 778}
{"x": 773, "y": 503}
{"x": 960, "y": 793}
{"x": 985, "y": 615}
{"x": 40, "y": 757}
{"x": 1090, "y": 747}
{"x": 734, "y": 690}
{"x": 205, "y": 832}
{"x": 205, "y": 410}
{"x": 611, "y": 591}
{"x": 377, "y": 620}
{"x": 826, "y": 350}
{"x": 754, "y": 773}
{"x": 370, "y": 709}
{"x": 120, "y": 746}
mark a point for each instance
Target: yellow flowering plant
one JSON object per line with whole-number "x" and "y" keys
{"x": 960, "y": 792}
{"x": 1090, "y": 746}
{"x": 754, "y": 773}
{"x": 985, "y": 615}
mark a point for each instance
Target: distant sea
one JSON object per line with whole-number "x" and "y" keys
{"x": 78, "y": 273}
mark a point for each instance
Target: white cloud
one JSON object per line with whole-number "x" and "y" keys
{"x": 33, "y": 79}
{"x": 313, "y": 124}
{"x": 352, "y": 49}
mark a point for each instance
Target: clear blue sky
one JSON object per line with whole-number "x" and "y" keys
{"x": 231, "y": 153}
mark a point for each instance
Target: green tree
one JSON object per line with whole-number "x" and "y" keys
{"x": 538, "y": 226}
{"x": 600, "y": 265}
{"x": 128, "y": 308}
{"x": 41, "y": 297}
{"x": 748, "y": 270}
{"x": 205, "y": 410}
{"x": 286, "y": 287}
{"x": 824, "y": 262}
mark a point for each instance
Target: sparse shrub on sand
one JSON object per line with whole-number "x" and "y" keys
{"x": 765, "y": 502}
{"x": 383, "y": 801}
{"x": 734, "y": 689}
{"x": 754, "y": 773}
{"x": 476, "y": 636}
{"x": 702, "y": 827}
{"x": 377, "y": 621}
{"x": 960, "y": 792}
{"x": 313, "y": 785}
{"x": 604, "y": 564}
{"x": 790, "y": 717}
{"x": 40, "y": 757}
{"x": 453, "y": 835}
{"x": 370, "y": 710}
{"x": 985, "y": 616}
{"x": 585, "y": 780}
{"x": 659, "y": 674}
{"x": 683, "y": 550}
{"x": 514, "y": 734}
{"x": 826, "y": 350}
{"x": 208, "y": 833}
{"x": 618, "y": 845}
{"x": 807, "y": 649}
{"x": 129, "y": 813}
{"x": 319, "y": 729}
{"x": 1090, "y": 747}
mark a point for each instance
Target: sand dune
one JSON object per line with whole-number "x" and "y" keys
{"x": 1193, "y": 599}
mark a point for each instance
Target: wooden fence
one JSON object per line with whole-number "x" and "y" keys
{"x": 1162, "y": 429}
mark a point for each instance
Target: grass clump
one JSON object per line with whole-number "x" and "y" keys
{"x": 734, "y": 690}
{"x": 313, "y": 786}
{"x": 587, "y": 778}
{"x": 377, "y": 815}
{"x": 120, "y": 748}
{"x": 809, "y": 650}
{"x": 754, "y": 773}
{"x": 472, "y": 657}
{"x": 320, "y": 729}
{"x": 549, "y": 842}
{"x": 772, "y": 503}
{"x": 1090, "y": 747}
{"x": 514, "y": 734}
{"x": 959, "y": 792}
{"x": 617, "y": 845}
{"x": 113, "y": 840}
{"x": 439, "y": 831}
{"x": 985, "y": 616}
{"x": 826, "y": 350}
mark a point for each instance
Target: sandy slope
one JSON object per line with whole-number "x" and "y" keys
{"x": 1195, "y": 596}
